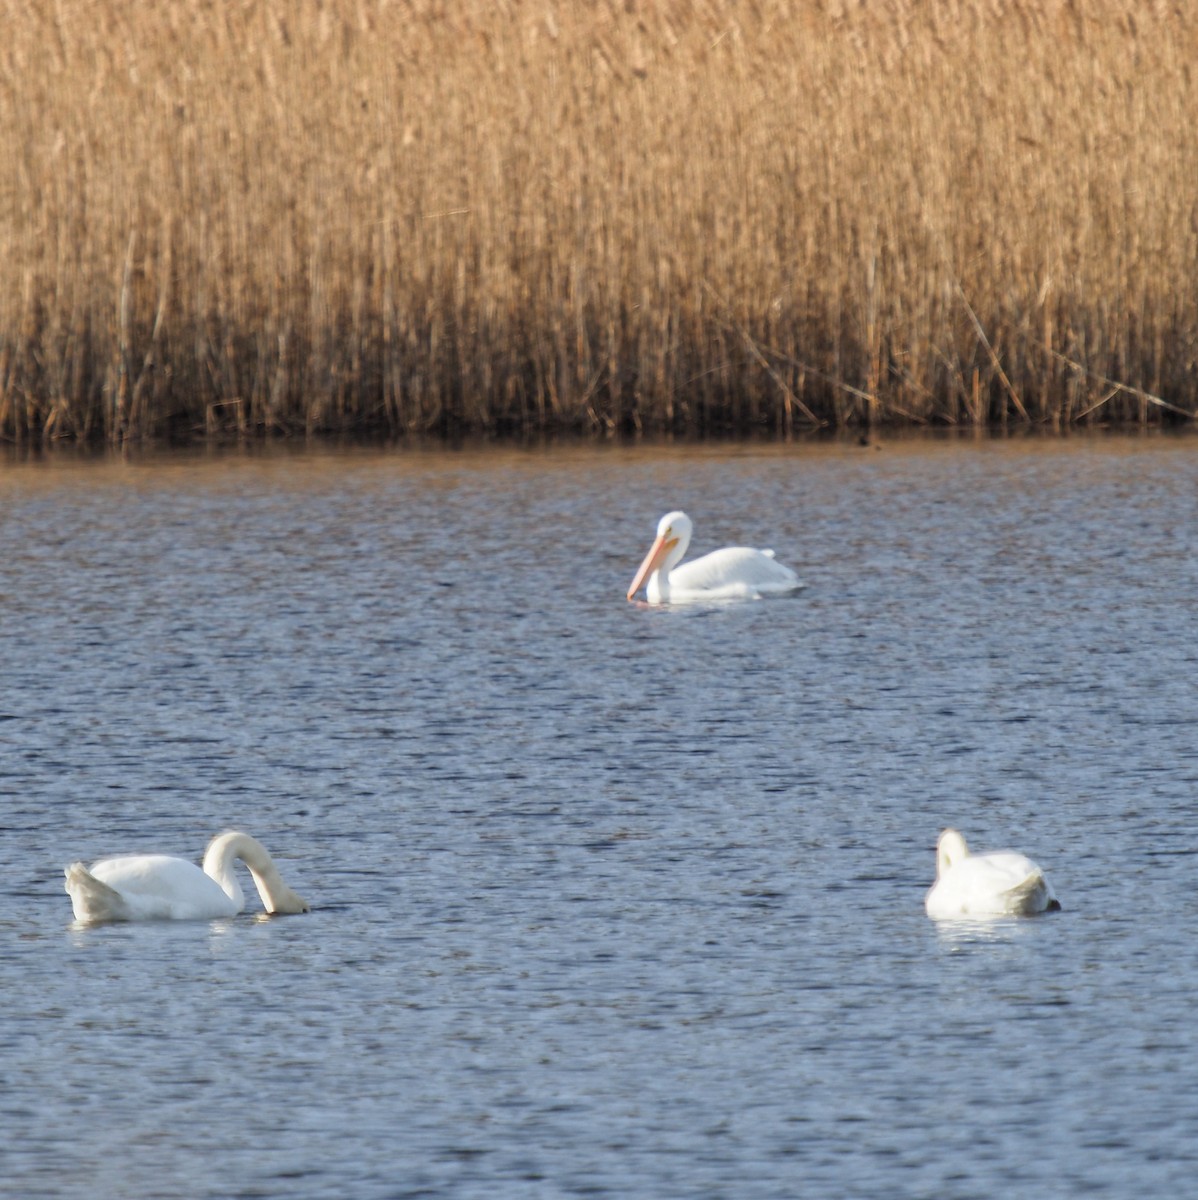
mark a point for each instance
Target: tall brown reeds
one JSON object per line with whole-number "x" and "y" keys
{"x": 687, "y": 215}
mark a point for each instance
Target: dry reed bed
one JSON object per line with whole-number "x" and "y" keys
{"x": 695, "y": 215}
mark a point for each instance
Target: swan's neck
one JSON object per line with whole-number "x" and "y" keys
{"x": 951, "y": 850}
{"x": 219, "y": 862}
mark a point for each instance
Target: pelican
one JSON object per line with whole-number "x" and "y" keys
{"x": 735, "y": 572}
{"x": 146, "y": 887}
{"x": 1001, "y": 883}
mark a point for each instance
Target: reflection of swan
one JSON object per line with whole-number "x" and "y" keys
{"x": 146, "y": 887}
{"x": 999, "y": 884}
{"x": 733, "y": 573}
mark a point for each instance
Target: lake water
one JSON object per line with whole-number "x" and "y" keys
{"x": 606, "y": 900}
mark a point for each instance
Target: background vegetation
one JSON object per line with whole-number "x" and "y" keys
{"x": 686, "y": 215}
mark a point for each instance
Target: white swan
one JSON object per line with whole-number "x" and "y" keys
{"x": 147, "y": 887}
{"x": 999, "y": 884}
{"x": 732, "y": 573}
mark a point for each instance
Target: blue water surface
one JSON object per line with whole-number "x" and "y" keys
{"x": 606, "y": 900}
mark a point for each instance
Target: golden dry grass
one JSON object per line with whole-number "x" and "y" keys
{"x": 694, "y": 215}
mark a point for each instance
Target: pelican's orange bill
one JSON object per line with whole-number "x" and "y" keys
{"x": 660, "y": 548}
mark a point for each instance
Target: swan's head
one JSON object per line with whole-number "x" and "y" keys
{"x": 950, "y": 850}
{"x": 286, "y": 901}
{"x": 673, "y": 537}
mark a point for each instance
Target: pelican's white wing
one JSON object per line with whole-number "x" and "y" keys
{"x": 732, "y": 573}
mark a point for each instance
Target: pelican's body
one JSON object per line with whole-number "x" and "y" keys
{"x": 735, "y": 573}
{"x": 1001, "y": 883}
{"x": 150, "y": 887}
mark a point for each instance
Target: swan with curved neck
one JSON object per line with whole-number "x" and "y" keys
{"x": 734, "y": 573}
{"x": 1000, "y": 883}
{"x": 147, "y": 887}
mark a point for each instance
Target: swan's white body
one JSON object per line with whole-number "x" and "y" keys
{"x": 735, "y": 573}
{"x": 149, "y": 887}
{"x": 1001, "y": 883}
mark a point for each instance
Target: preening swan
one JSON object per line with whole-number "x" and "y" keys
{"x": 998, "y": 884}
{"x": 148, "y": 887}
{"x": 732, "y": 573}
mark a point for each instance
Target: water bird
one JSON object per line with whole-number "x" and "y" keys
{"x": 148, "y": 887}
{"x": 1000, "y": 883}
{"x": 735, "y": 572}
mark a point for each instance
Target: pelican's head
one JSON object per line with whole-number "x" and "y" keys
{"x": 673, "y": 537}
{"x": 950, "y": 850}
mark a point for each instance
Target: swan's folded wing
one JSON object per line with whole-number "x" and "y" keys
{"x": 1032, "y": 894}
{"x": 91, "y": 898}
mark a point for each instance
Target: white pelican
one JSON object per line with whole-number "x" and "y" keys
{"x": 146, "y": 887}
{"x": 999, "y": 884}
{"x": 735, "y": 572}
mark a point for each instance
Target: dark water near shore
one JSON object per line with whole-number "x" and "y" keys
{"x": 606, "y": 900}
